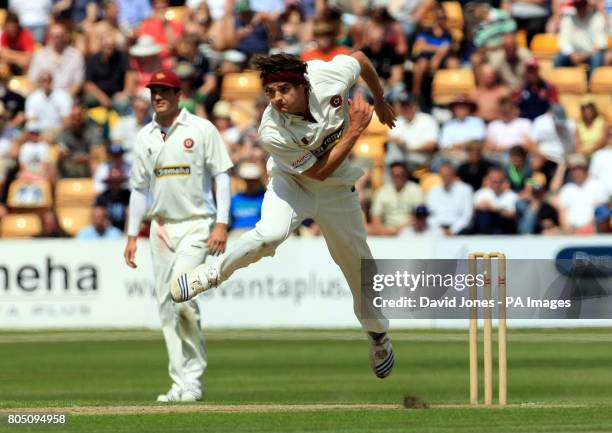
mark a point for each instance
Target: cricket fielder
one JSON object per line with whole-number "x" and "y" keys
{"x": 176, "y": 156}
{"x": 309, "y": 129}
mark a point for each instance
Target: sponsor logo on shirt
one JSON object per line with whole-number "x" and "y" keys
{"x": 300, "y": 161}
{"x": 174, "y": 170}
{"x": 329, "y": 142}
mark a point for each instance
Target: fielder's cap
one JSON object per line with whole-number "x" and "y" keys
{"x": 406, "y": 98}
{"x": 577, "y": 160}
{"x": 116, "y": 149}
{"x": 115, "y": 175}
{"x": 165, "y": 78}
{"x": 249, "y": 171}
{"x": 532, "y": 63}
{"x": 222, "y": 109}
{"x": 602, "y": 213}
{"x": 421, "y": 211}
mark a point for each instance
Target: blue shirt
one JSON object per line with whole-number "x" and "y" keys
{"x": 132, "y": 12}
{"x": 459, "y": 131}
{"x": 89, "y": 233}
{"x": 245, "y": 210}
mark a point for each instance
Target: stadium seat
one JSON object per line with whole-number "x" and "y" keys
{"x": 450, "y": 83}
{"x": 242, "y": 112}
{"x": 429, "y": 180}
{"x": 74, "y": 192}
{"x": 372, "y": 147}
{"x": 177, "y": 13}
{"x": 243, "y": 85}
{"x": 21, "y": 84}
{"x": 521, "y": 38}
{"x": 29, "y": 194}
{"x": 545, "y": 45}
{"x": 601, "y": 80}
{"x": 568, "y": 80}
{"x": 73, "y": 219}
{"x": 3, "y": 13}
{"x": 571, "y": 103}
{"x": 17, "y": 226}
{"x": 454, "y": 14}
{"x": 54, "y": 151}
{"x": 376, "y": 127}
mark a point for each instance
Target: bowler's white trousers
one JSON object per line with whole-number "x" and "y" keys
{"x": 288, "y": 201}
{"x": 178, "y": 247}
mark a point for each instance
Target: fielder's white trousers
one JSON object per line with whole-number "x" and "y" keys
{"x": 178, "y": 247}
{"x": 288, "y": 201}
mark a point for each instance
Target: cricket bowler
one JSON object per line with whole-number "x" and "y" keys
{"x": 309, "y": 128}
{"x": 177, "y": 155}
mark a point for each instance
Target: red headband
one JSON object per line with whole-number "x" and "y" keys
{"x": 292, "y": 77}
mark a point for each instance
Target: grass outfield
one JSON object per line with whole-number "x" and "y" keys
{"x": 306, "y": 381}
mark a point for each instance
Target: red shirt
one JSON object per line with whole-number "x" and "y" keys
{"x": 154, "y": 27}
{"x": 23, "y": 42}
{"x": 316, "y": 54}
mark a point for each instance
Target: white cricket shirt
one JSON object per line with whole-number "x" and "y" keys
{"x": 294, "y": 143}
{"x": 179, "y": 170}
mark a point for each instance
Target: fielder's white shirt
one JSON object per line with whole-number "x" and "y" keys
{"x": 179, "y": 170}
{"x": 294, "y": 143}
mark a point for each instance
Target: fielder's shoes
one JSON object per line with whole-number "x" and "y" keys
{"x": 191, "y": 394}
{"x": 173, "y": 395}
{"x": 381, "y": 355}
{"x": 188, "y": 285}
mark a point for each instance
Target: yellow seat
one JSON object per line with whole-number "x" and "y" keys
{"x": 430, "y": 180}
{"x": 454, "y": 14}
{"x": 601, "y": 80}
{"x": 243, "y": 85}
{"x": 176, "y": 13}
{"x": 372, "y": 147}
{"x": 26, "y": 225}
{"x": 21, "y": 84}
{"x": 521, "y": 38}
{"x": 567, "y": 80}
{"x": 450, "y": 83}
{"x": 571, "y": 103}
{"x": 545, "y": 45}
{"x": 376, "y": 127}
{"x": 73, "y": 219}
{"x": 74, "y": 192}
{"x": 242, "y": 112}
{"x": 29, "y": 194}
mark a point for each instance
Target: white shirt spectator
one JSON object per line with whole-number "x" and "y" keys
{"x": 421, "y": 130}
{"x": 580, "y": 36}
{"x": 48, "y": 111}
{"x": 33, "y": 155}
{"x": 68, "y": 68}
{"x": 505, "y": 201}
{"x": 600, "y": 168}
{"x": 32, "y": 12}
{"x": 124, "y": 133}
{"x": 504, "y": 135}
{"x": 580, "y": 201}
{"x": 450, "y": 207}
{"x": 460, "y": 131}
{"x": 553, "y": 144}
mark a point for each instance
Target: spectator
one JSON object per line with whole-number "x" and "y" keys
{"x": 601, "y": 162}
{"x": 77, "y": 140}
{"x": 9, "y": 149}
{"x": 34, "y": 161}
{"x": 475, "y": 169}
{"x": 50, "y": 226}
{"x": 495, "y": 205}
{"x": 247, "y": 31}
{"x": 553, "y": 135}
{"x": 245, "y": 207}
{"x": 108, "y": 26}
{"x": 292, "y": 30}
{"x": 536, "y": 97}
{"x": 132, "y": 13}
{"x": 116, "y": 198}
{"x": 221, "y": 118}
{"x": 100, "y": 227}
{"x": 506, "y": 132}
{"x": 65, "y": 62}
{"x": 488, "y": 93}
{"x": 48, "y": 107}
{"x": 603, "y": 219}
{"x": 518, "y": 170}
{"x": 509, "y": 62}
{"x": 13, "y": 102}
{"x": 166, "y": 33}
{"x": 534, "y": 215}
{"x": 325, "y": 47}
{"x": 115, "y": 162}
{"x": 409, "y": 13}
{"x": 553, "y": 172}
{"x": 450, "y": 203}
{"x": 415, "y": 134}
{"x": 124, "y": 132}
{"x": 17, "y": 45}
{"x": 81, "y": 12}
{"x": 394, "y": 203}
{"x": 592, "y": 129}
{"x": 582, "y": 37}
{"x": 144, "y": 62}
{"x": 33, "y": 15}
{"x": 531, "y": 15}
{"x": 420, "y": 224}
{"x": 205, "y": 79}
{"x": 431, "y": 51}
{"x": 461, "y": 129}
{"x": 578, "y": 199}
{"x": 190, "y": 99}
{"x": 492, "y": 25}
{"x": 106, "y": 74}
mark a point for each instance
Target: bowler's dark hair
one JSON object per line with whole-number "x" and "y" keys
{"x": 278, "y": 62}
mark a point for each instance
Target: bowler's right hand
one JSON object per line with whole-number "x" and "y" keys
{"x": 130, "y": 252}
{"x": 360, "y": 113}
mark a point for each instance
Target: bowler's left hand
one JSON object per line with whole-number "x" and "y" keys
{"x": 217, "y": 240}
{"x": 385, "y": 113}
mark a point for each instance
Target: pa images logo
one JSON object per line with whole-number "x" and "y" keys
{"x": 335, "y": 101}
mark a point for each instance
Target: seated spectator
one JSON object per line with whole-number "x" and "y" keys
{"x": 410, "y": 14}
{"x": 221, "y": 118}
{"x": 84, "y": 13}
{"x": 603, "y": 219}
{"x": 492, "y": 25}
{"x": 34, "y": 161}
{"x": 100, "y": 227}
{"x": 420, "y": 224}
{"x": 506, "y": 132}
{"x": 461, "y": 129}
{"x": 115, "y": 162}
{"x": 77, "y": 140}
{"x": 325, "y": 47}
{"x": 518, "y": 170}
{"x": 553, "y": 135}
{"x": 106, "y": 74}
{"x": 65, "y": 62}
{"x": 49, "y": 108}
{"x": 578, "y": 199}
{"x": 388, "y": 64}
{"x": 475, "y": 169}
{"x": 394, "y": 203}
{"x": 531, "y": 16}
{"x": 495, "y": 205}
{"x": 190, "y": 99}
{"x": 592, "y": 129}
{"x": 13, "y": 102}
{"x": 450, "y": 204}
{"x": 124, "y": 132}
{"x": 116, "y": 198}
{"x": 489, "y": 93}
{"x": 553, "y": 172}
{"x": 582, "y": 37}
{"x": 9, "y": 148}
{"x": 431, "y": 51}
{"x": 248, "y": 31}
{"x": 108, "y": 26}
{"x": 245, "y": 207}
{"x": 415, "y": 134}
{"x": 205, "y": 80}
{"x": 292, "y": 26}
{"x": 33, "y": 15}
{"x": 166, "y": 33}
{"x": 599, "y": 170}
{"x": 533, "y": 213}
{"x": 145, "y": 60}
{"x": 17, "y": 45}
{"x": 132, "y": 13}
{"x": 536, "y": 97}
{"x": 50, "y": 226}
{"x": 509, "y": 62}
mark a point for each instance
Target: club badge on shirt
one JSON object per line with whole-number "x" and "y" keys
{"x": 335, "y": 101}
{"x": 188, "y": 144}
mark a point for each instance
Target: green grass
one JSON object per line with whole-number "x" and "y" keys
{"x": 546, "y": 368}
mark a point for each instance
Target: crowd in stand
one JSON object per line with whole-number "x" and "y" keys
{"x": 503, "y": 159}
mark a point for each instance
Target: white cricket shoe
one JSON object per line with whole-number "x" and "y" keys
{"x": 191, "y": 394}
{"x": 188, "y": 285}
{"x": 173, "y": 395}
{"x": 381, "y": 356}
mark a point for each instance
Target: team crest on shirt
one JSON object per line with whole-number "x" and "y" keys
{"x": 188, "y": 144}
{"x": 335, "y": 101}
